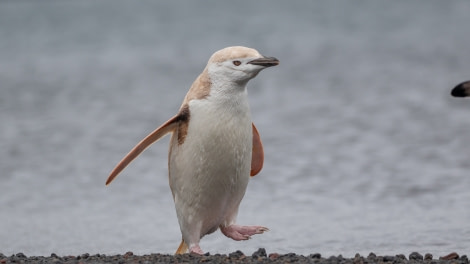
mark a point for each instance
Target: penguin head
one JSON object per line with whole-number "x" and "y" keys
{"x": 237, "y": 64}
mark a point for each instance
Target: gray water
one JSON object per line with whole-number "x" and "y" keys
{"x": 365, "y": 150}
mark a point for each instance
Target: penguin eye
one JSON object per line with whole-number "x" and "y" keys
{"x": 237, "y": 63}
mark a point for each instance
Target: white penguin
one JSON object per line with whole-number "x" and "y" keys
{"x": 214, "y": 148}
{"x": 461, "y": 90}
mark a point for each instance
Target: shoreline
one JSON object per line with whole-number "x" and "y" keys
{"x": 259, "y": 256}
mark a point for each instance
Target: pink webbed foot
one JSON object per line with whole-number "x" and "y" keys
{"x": 238, "y": 232}
{"x": 196, "y": 249}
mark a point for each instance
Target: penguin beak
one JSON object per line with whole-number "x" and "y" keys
{"x": 461, "y": 90}
{"x": 265, "y": 61}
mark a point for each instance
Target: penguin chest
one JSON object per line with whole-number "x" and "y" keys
{"x": 209, "y": 171}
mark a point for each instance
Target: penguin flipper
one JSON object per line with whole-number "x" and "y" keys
{"x": 257, "y": 156}
{"x": 168, "y": 127}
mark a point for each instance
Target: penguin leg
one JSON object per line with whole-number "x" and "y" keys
{"x": 195, "y": 248}
{"x": 183, "y": 248}
{"x": 238, "y": 232}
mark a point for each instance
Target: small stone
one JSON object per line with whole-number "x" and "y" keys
{"x": 450, "y": 256}
{"x": 291, "y": 258}
{"x": 388, "y": 258}
{"x": 54, "y": 255}
{"x": 401, "y": 256}
{"x": 273, "y": 256}
{"x": 372, "y": 256}
{"x": 358, "y": 259}
{"x": 204, "y": 259}
{"x": 428, "y": 256}
{"x": 20, "y": 255}
{"x": 85, "y": 256}
{"x": 415, "y": 256}
{"x": 236, "y": 254}
{"x": 128, "y": 254}
{"x": 192, "y": 255}
{"x": 260, "y": 253}
{"x": 315, "y": 256}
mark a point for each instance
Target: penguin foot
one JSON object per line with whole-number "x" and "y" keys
{"x": 196, "y": 249}
{"x": 238, "y": 232}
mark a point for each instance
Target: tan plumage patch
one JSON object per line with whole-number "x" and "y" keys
{"x": 200, "y": 88}
{"x": 232, "y": 53}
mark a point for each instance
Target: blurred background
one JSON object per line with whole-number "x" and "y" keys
{"x": 364, "y": 147}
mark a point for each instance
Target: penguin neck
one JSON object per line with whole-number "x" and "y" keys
{"x": 230, "y": 81}
{"x": 228, "y": 91}
{"x": 220, "y": 93}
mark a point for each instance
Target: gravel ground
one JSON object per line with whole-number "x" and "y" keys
{"x": 259, "y": 256}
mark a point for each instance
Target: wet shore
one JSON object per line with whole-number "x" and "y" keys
{"x": 260, "y": 256}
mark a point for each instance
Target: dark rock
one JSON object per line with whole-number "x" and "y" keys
{"x": 388, "y": 258}
{"x": 358, "y": 259}
{"x": 415, "y": 256}
{"x": 372, "y": 256}
{"x": 333, "y": 259}
{"x": 428, "y": 256}
{"x": 128, "y": 254}
{"x": 315, "y": 256}
{"x": 260, "y": 253}
{"x": 237, "y": 253}
{"x": 290, "y": 257}
{"x": 401, "y": 256}
{"x": 450, "y": 256}
{"x": 56, "y": 261}
{"x": 204, "y": 259}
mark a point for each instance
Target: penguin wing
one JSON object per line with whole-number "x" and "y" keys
{"x": 168, "y": 127}
{"x": 257, "y": 156}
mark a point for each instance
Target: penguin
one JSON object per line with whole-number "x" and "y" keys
{"x": 461, "y": 90}
{"x": 214, "y": 148}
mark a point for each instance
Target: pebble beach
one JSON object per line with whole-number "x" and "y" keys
{"x": 259, "y": 256}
